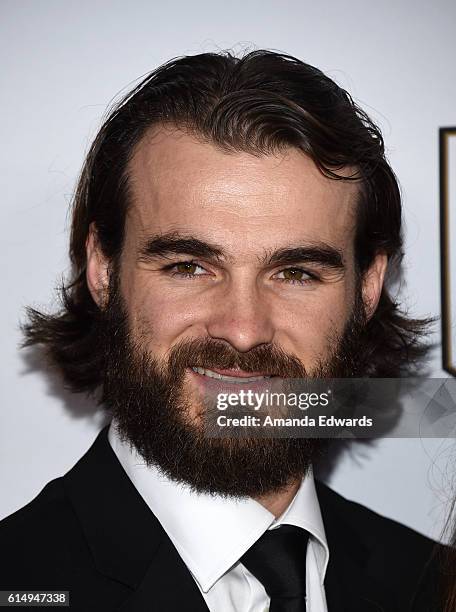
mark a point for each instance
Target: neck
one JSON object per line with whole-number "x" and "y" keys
{"x": 279, "y": 501}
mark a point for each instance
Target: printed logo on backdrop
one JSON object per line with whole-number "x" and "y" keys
{"x": 448, "y": 245}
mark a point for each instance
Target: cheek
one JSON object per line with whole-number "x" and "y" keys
{"x": 159, "y": 317}
{"x": 310, "y": 327}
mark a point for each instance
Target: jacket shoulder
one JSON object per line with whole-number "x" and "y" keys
{"x": 41, "y": 540}
{"x": 403, "y": 560}
{"x": 48, "y": 511}
{"x": 50, "y": 498}
{"x": 373, "y": 528}
{"x": 45, "y": 515}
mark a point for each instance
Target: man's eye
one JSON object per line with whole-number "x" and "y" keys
{"x": 187, "y": 269}
{"x": 295, "y": 276}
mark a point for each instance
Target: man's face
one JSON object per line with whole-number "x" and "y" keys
{"x": 252, "y": 209}
{"x": 248, "y": 264}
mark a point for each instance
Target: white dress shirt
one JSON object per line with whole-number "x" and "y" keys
{"x": 212, "y": 532}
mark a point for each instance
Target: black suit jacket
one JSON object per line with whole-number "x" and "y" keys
{"x": 91, "y": 533}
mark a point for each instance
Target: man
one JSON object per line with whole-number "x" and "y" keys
{"x": 234, "y": 221}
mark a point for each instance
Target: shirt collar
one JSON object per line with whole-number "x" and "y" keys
{"x": 212, "y": 532}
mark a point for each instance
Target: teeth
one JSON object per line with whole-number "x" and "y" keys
{"x": 237, "y": 379}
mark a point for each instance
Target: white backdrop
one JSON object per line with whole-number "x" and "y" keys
{"x": 62, "y": 62}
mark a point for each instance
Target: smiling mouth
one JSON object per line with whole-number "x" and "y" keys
{"x": 238, "y": 376}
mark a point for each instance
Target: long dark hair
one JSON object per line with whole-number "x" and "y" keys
{"x": 450, "y": 576}
{"x": 447, "y": 558}
{"x": 259, "y": 103}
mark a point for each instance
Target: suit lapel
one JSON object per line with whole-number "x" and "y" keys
{"x": 348, "y": 589}
{"x": 167, "y": 585}
{"x": 348, "y": 586}
{"x": 127, "y": 542}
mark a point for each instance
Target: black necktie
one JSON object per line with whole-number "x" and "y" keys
{"x": 278, "y": 561}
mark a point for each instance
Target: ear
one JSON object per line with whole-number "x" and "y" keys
{"x": 97, "y": 270}
{"x": 373, "y": 280}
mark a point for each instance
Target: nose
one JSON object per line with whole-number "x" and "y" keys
{"x": 241, "y": 315}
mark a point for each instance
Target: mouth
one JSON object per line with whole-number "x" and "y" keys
{"x": 232, "y": 376}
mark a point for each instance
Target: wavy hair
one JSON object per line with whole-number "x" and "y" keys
{"x": 260, "y": 103}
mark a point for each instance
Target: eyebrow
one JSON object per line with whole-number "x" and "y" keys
{"x": 321, "y": 253}
{"x": 175, "y": 243}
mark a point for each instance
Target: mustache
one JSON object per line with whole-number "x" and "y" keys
{"x": 209, "y": 353}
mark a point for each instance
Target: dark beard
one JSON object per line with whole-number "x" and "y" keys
{"x": 150, "y": 405}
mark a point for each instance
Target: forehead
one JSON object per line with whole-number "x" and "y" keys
{"x": 180, "y": 183}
